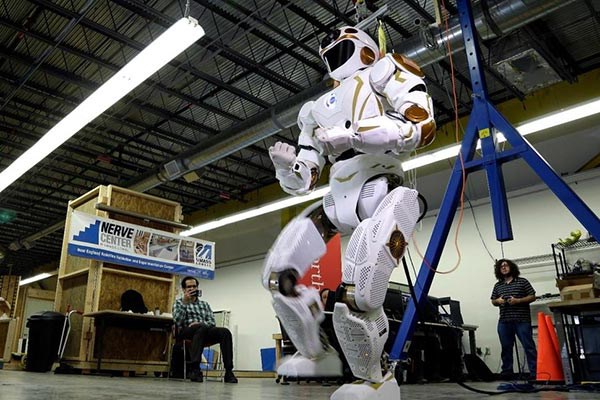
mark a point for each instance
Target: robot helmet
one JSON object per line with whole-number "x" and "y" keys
{"x": 347, "y": 50}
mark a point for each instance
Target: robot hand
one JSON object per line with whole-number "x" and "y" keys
{"x": 282, "y": 155}
{"x": 335, "y": 140}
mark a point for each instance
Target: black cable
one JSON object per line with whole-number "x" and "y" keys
{"x": 518, "y": 358}
{"x": 515, "y": 390}
{"x": 479, "y": 230}
{"x": 411, "y": 288}
{"x": 425, "y": 207}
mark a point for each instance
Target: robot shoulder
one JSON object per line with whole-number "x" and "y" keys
{"x": 397, "y": 66}
{"x": 381, "y": 73}
{"x": 406, "y": 64}
{"x": 305, "y": 116}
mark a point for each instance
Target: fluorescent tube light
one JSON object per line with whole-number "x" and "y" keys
{"x": 560, "y": 117}
{"x": 254, "y": 212}
{"x": 538, "y": 124}
{"x": 35, "y": 278}
{"x": 167, "y": 46}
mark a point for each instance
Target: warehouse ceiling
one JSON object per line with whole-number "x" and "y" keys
{"x": 258, "y": 60}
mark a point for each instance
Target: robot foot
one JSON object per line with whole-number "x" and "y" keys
{"x": 363, "y": 390}
{"x": 298, "y": 366}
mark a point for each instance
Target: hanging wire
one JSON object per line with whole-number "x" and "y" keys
{"x": 186, "y": 13}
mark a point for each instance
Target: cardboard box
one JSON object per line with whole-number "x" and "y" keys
{"x": 577, "y": 292}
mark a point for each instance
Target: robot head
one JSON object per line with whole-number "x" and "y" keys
{"x": 347, "y": 50}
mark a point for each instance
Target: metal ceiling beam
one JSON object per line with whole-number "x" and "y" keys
{"x": 593, "y": 12}
{"x": 125, "y": 40}
{"x": 112, "y": 67}
{"x": 267, "y": 39}
{"x": 129, "y": 100}
{"x": 290, "y": 5}
{"x": 547, "y": 44}
{"x": 92, "y": 155}
{"x": 117, "y": 175}
{"x": 420, "y": 10}
{"x": 213, "y": 45}
{"x": 345, "y": 18}
{"x": 100, "y": 128}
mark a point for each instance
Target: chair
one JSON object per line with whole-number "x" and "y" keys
{"x": 209, "y": 364}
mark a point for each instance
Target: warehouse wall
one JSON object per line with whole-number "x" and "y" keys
{"x": 538, "y": 218}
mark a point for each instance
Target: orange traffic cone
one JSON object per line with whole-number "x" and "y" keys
{"x": 548, "y": 363}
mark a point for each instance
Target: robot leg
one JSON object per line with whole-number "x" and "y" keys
{"x": 301, "y": 317}
{"x": 298, "y": 307}
{"x": 374, "y": 250}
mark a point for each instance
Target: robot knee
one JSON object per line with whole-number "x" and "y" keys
{"x": 284, "y": 282}
{"x": 345, "y": 293}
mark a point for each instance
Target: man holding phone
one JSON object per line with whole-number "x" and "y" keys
{"x": 195, "y": 321}
{"x": 513, "y": 294}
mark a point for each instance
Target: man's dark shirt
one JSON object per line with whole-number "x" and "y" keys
{"x": 517, "y": 288}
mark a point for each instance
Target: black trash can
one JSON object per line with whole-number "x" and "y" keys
{"x": 45, "y": 330}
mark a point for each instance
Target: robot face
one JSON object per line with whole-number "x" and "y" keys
{"x": 347, "y": 50}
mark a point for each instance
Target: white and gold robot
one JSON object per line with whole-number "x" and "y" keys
{"x": 377, "y": 113}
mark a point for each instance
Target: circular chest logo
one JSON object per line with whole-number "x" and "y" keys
{"x": 330, "y": 101}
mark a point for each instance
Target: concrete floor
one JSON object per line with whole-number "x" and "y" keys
{"x": 18, "y": 385}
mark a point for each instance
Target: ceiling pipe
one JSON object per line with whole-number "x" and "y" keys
{"x": 263, "y": 125}
{"x": 491, "y": 20}
{"x": 501, "y": 17}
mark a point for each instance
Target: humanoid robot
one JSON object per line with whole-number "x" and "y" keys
{"x": 376, "y": 114}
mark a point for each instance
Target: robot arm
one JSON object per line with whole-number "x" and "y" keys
{"x": 410, "y": 124}
{"x": 299, "y": 174}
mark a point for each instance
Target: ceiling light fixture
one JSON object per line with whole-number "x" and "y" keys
{"x": 539, "y": 124}
{"x": 167, "y": 46}
{"x": 255, "y": 212}
{"x": 35, "y": 278}
{"x": 551, "y": 120}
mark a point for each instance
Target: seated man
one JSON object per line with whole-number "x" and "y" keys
{"x": 195, "y": 320}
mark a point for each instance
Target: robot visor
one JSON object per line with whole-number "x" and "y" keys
{"x": 339, "y": 54}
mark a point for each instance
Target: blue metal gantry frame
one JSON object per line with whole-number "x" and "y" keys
{"x": 484, "y": 121}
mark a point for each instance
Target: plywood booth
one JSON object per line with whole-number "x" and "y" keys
{"x": 93, "y": 286}
{"x": 9, "y": 287}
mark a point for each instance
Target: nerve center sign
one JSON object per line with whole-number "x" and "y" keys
{"x": 122, "y": 243}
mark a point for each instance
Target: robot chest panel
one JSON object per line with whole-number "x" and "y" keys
{"x": 352, "y": 100}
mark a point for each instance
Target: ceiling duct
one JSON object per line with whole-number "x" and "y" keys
{"x": 500, "y": 17}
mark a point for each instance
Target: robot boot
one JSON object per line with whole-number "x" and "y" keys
{"x": 365, "y": 390}
{"x": 327, "y": 365}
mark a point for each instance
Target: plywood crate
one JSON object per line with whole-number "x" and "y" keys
{"x": 578, "y": 292}
{"x": 88, "y": 285}
{"x": 573, "y": 281}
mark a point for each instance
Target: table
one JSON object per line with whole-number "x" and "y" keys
{"x": 112, "y": 318}
{"x": 569, "y": 307}
{"x": 278, "y": 337}
{"x": 464, "y": 327}
{"x": 472, "y": 342}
